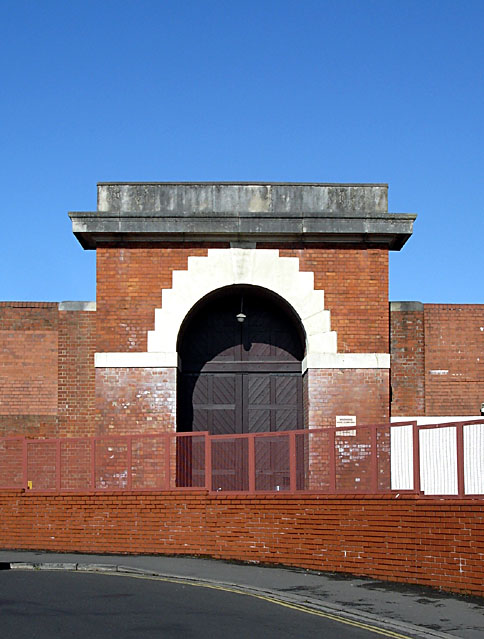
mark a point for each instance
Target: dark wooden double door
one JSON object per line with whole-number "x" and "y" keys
{"x": 239, "y": 378}
{"x": 242, "y": 401}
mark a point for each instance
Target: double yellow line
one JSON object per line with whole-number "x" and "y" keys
{"x": 273, "y": 600}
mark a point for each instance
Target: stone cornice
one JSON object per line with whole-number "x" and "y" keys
{"x": 216, "y": 212}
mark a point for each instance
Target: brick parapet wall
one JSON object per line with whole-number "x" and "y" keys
{"x": 77, "y": 376}
{"x": 28, "y": 367}
{"x": 436, "y": 543}
{"x": 437, "y": 360}
{"x": 46, "y": 370}
{"x": 454, "y": 359}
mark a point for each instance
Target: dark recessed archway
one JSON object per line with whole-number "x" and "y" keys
{"x": 240, "y": 377}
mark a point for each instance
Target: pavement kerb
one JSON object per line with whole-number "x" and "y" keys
{"x": 310, "y": 603}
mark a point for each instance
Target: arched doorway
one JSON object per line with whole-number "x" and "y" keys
{"x": 240, "y": 376}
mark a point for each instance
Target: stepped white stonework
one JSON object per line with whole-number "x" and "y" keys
{"x": 264, "y": 268}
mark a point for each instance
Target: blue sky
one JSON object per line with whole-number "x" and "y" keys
{"x": 317, "y": 91}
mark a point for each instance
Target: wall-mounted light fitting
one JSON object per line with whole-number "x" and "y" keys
{"x": 241, "y": 316}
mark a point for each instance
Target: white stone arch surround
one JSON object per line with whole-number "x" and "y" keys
{"x": 257, "y": 267}
{"x": 264, "y": 268}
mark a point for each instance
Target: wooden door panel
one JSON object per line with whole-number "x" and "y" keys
{"x": 272, "y": 402}
{"x": 286, "y": 389}
{"x": 215, "y": 400}
{"x": 258, "y": 389}
{"x": 198, "y": 384}
{"x": 224, "y": 389}
{"x": 257, "y": 420}
{"x": 286, "y": 419}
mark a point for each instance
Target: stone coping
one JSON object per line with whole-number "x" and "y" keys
{"x": 355, "y": 214}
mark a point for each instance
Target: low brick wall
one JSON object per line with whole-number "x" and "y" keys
{"x": 438, "y": 543}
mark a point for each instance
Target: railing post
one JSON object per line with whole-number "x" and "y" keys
{"x": 416, "y": 457}
{"x": 93, "y": 463}
{"x": 208, "y": 462}
{"x": 25, "y": 469}
{"x": 460, "y": 459}
{"x": 168, "y": 445}
{"x": 292, "y": 463}
{"x": 332, "y": 460}
{"x": 129, "y": 462}
{"x": 251, "y": 452}
{"x": 58, "y": 465}
{"x": 374, "y": 458}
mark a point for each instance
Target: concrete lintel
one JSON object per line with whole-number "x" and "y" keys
{"x": 346, "y": 360}
{"x": 313, "y": 361}
{"x": 77, "y": 306}
{"x": 406, "y": 306}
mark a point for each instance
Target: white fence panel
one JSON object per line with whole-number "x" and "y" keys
{"x": 401, "y": 442}
{"x": 438, "y": 461}
{"x": 438, "y": 458}
{"x": 474, "y": 459}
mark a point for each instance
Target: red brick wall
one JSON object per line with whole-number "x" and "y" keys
{"x": 130, "y": 280}
{"x": 430, "y": 542}
{"x": 454, "y": 342}
{"x": 438, "y": 360}
{"x": 28, "y": 366}
{"x": 46, "y": 370}
{"x": 407, "y": 351}
{"x": 129, "y": 285}
{"x": 136, "y": 400}
{"x": 77, "y": 378}
{"x": 355, "y": 284}
{"x": 360, "y": 392}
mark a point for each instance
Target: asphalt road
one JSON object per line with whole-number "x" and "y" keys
{"x": 58, "y": 605}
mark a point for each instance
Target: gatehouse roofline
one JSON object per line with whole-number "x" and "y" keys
{"x": 273, "y": 212}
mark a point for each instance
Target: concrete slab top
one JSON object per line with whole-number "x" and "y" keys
{"x": 220, "y": 211}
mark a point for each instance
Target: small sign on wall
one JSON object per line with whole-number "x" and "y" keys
{"x": 346, "y": 420}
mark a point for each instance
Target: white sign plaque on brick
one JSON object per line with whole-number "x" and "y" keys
{"x": 346, "y": 420}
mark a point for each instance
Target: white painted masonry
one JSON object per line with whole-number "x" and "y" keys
{"x": 264, "y": 268}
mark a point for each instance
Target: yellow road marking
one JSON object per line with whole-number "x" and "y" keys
{"x": 279, "y": 602}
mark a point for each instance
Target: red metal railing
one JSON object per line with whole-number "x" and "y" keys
{"x": 360, "y": 460}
